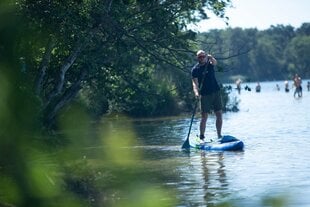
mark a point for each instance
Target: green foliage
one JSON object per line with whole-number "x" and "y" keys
{"x": 33, "y": 176}
{"x": 279, "y": 201}
{"x": 230, "y": 103}
{"x": 298, "y": 49}
{"x": 102, "y": 47}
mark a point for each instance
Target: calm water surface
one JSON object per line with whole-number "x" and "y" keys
{"x": 275, "y": 162}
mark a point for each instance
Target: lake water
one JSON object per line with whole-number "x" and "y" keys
{"x": 275, "y": 162}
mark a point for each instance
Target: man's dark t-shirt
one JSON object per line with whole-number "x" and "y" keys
{"x": 210, "y": 84}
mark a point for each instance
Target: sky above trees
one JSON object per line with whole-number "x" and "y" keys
{"x": 260, "y": 14}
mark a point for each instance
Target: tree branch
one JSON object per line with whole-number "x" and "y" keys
{"x": 44, "y": 66}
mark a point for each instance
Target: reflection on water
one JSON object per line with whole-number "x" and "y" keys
{"x": 275, "y": 129}
{"x": 211, "y": 178}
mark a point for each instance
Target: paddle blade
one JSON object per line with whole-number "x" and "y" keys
{"x": 186, "y": 144}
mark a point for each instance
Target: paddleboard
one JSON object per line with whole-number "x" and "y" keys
{"x": 226, "y": 143}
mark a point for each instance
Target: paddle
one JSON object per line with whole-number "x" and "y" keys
{"x": 186, "y": 144}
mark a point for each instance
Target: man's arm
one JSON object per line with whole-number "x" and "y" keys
{"x": 195, "y": 87}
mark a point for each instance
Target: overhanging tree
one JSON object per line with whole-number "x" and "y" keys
{"x": 74, "y": 44}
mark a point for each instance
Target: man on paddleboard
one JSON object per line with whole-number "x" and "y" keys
{"x": 206, "y": 87}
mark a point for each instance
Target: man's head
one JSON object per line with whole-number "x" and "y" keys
{"x": 201, "y": 56}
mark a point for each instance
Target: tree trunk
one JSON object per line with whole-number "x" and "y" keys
{"x": 66, "y": 98}
{"x": 65, "y": 67}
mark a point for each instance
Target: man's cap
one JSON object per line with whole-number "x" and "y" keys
{"x": 200, "y": 52}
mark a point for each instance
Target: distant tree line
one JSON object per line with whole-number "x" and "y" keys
{"x": 276, "y": 53}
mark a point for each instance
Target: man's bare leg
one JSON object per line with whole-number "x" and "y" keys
{"x": 204, "y": 117}
{"x": 219, "y": 123}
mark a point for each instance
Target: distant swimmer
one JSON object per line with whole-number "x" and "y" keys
{"x": 238, "y": 85}
{"x": 258, "y": 87}
{"x": 286, "y": 86}
{"x": 247, "y": 88}
{"x": 297, "y": 84}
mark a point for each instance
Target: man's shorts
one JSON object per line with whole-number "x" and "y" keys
{"x": 211, "y": 102}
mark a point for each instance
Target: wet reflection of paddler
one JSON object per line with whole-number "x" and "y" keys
{"x": 215, "y": 181}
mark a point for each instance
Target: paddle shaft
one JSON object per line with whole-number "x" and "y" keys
{"x": 193, "y": 115}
